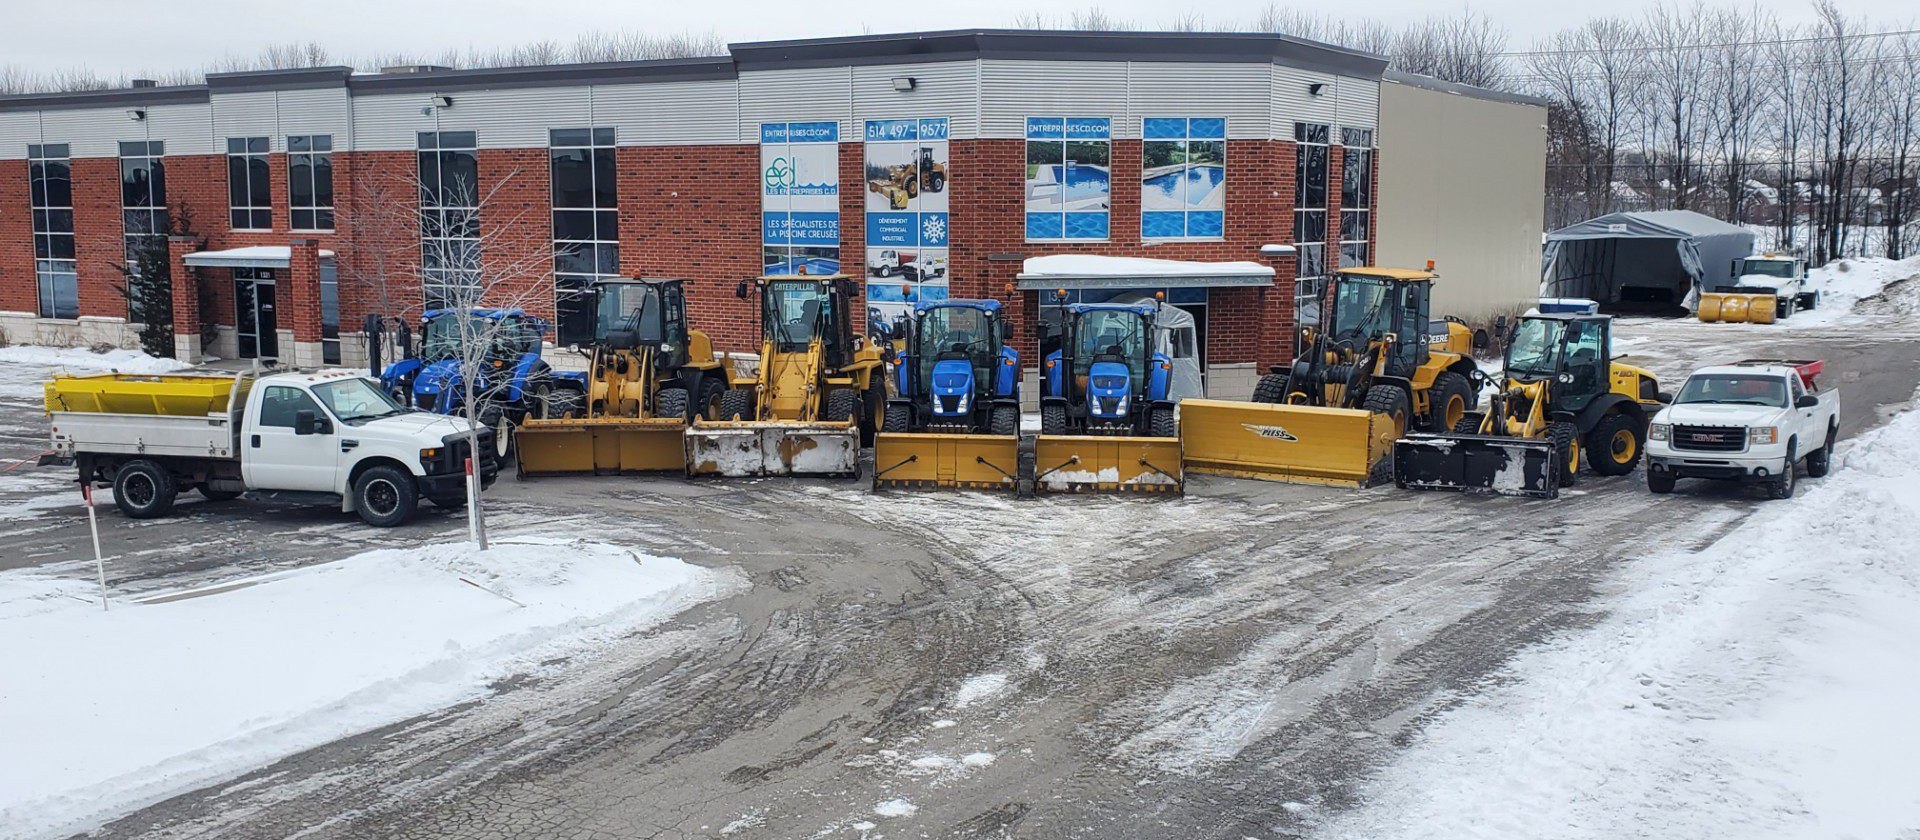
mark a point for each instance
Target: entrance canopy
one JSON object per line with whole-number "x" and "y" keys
{"x": 1079, "y": 271}
{"x": 257, "y": 256}
{"x": 1657, "y": 259}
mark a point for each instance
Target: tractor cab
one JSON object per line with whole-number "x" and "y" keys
{"x": 797, "y": 310}
{"x": 1567, "y": 352}
{"x": 432, "y": 380}
{"x": 1106, "y": 377}
{"x": 1369, "y": 304}
{"x": 634, "y": 313}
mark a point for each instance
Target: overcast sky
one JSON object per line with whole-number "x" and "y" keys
{"x": 138, "y": 36}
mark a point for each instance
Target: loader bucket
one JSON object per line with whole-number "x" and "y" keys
{"x": 1102, "y": 464}
{"x": 772, "y": 447}
{"x": 1298, "y": 443}
{"x": 937, "y": 459}
{"x": 600, "y": 446}
{"x": 1504, "y": 466}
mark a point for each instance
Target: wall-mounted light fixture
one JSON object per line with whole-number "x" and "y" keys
{"x": 904, "y": 84}
{"x": 443, "y": 101}
{"x": 137, "y": 114}
{"x": 1316, "y": 88}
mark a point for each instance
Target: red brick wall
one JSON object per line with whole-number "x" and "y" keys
{"x": 694, "y": 212}
{"x": 376, "y": 199}
{"x": 18, "y": 289}
{"x": 516, "y": 229}
{"x": 98, "y": 235}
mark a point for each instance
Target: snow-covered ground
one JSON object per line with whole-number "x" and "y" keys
{"x": 1762, "y": 687}
{"x": 105, "y": 711}
{"x": 1843, "y": 284}
{"x": 23, "y": 368}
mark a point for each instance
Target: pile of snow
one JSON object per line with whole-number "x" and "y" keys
{"x": 104, "y": 712}
{"x": 83, "y": 359}
{"x": 1761, "y": 687}
{"x": 1843, "y": 284}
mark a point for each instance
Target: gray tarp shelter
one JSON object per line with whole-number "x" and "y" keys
{"x": 1654, "y": 259}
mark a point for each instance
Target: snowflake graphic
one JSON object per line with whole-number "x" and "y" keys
{"x": 933, "y": 229}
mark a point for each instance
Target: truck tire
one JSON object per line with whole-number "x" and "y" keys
{"x": 1566, "y": 441}
{"x": 1615, "y": 444}
{"x": 899, "y": 419}
{"x": 143, "y": 489}
{"x": 1162, "y": 423}
{"x": 1004, "y": 420}
{"x": 385, "y": 496}
{"x": 1820, "y": 461}
{"x": 1272, "y": 388}
{"x": 842, "y": 404}
{"x": 670, "y": 403}
{"x": 736, "y": 404}
{"x": 1391, "y": 401}
{"x": 1781, "y": 487}
{"x": 1660, "y": 482}
{"x": 1450, "y": 398}
{"x": 1053, "y": 419}
{"x": 707, "y": 403}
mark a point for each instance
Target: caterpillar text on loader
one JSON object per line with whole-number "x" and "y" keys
{"x": 1379, "y": 368}
{"x": 1765, "y": 287}
{"x": 650, "y": 374}
{"x": 1107, "y": 419}
{"x": 1563, "y": 396}
{"x": 815, "y": 397}
{"x": 955, "y": 418}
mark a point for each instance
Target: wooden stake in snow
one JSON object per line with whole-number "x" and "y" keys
{"x": 93, "y": 524}
{"x": 491, "y": 592}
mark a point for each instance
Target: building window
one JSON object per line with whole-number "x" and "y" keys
{"x": 50, "y": 185}
{"x": 449, "y": 218}
{"x": 249, "y": 192}
{"x": 310, "y": 181}
{"x": 1068, "y": 177}
{"x": 1183, "y": 175}
{"x": 1310, "y": 217}
{"x": 143, "y": 205}
{"x": 586, "y": 225}
{"x": 1356, "y": 196}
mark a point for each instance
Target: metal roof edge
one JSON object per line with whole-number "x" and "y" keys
{"x": 1056, "y": 45}
{"x": 117, "y": 97}
{"x": 1470, "y": 91}
{"x": 611, "y": 72}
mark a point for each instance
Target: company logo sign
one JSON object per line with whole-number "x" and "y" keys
{"x": 1271, "y": 432}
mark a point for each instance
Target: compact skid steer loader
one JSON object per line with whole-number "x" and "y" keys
{"x": 955, "y": 418}
{"x": 815, "y": 397}
{"x": 648, "y": 377}
{"x": 1563, "y": 395}
{"x": 1107, "y": 420}
{"x": 1379, "y": 368}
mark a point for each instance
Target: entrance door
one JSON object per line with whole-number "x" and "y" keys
{"x": 254, "y": 321}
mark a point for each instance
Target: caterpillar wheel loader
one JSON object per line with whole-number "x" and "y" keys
{"x": 1107, "y": 420}
{"x": 955, "y": 418}
{"x": 1563, "y": 398}
{"x": 815, "y": 397}
{"x": 648, "y": 376}
{"x": 1379, "y": 368}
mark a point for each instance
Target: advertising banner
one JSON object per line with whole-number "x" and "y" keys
{"x": 906, "y": 218}
{"x": 800, "y": 197}
{"x": 1183, "y": 173}
{"x": 1068, "y": 189}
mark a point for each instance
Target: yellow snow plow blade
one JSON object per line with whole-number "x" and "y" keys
{"x": 599, "y": 446}
{"x": 1734, "y": 308}
{"x": 772, "y": 447}
{"x": 1097, "y": 463}
{"x": 1297, "y": 443}
{"x": 938, "y": 459}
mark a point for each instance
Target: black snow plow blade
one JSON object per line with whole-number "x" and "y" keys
{"x": 1502, "y": 466}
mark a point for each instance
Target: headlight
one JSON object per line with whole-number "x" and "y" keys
{"x": 1659, "y": 431}
{"x": 1122, "y": 407}
{"x": 1763, "y": 434}
{"x": 961, "y": 406}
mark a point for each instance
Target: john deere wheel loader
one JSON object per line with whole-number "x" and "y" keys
{"x": 1563, "y": 397}
{"x": 1107, "y": 420}
{"x": 1379, "y": 368}
{"x": 649, "y": 376}
{"x": 955, "y": 418}
{"x": 815, "y": 397}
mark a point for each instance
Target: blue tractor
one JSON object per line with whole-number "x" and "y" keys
{"x": 1106, "y": 378}
{"x": 514, "y": 381}
{"x": 956, "y": 373}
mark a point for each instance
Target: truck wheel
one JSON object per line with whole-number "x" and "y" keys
{"x": 1450, "y": 398}
{"x": 1566, "y": 441}
{"x": 385, "y": 496}
{"x": 873, "y": 406}
{"x": 1053, "y": 419}
{"x": 1787, "y": 306}
{"x": 1391, "y": 401}
{"x": 842, "y": 404}
{"x": 1660, "y": 482}
{"x": 1820, "y": 461}
{"x": 899, "y": 419}
{"x": 1614, "y": 445}
{"x": 143, "y": 489}
{"x": 1004, "y": 420}
{"x": 707, "y": 405}
{"x": 1272, "y": 388}
{"x": 218, "y": 495}
{"x": 1781, "y": 487}
{"x": 670, "y": 403}
{"x": 736, "y": 404}
{"x": 1162, "y": 423}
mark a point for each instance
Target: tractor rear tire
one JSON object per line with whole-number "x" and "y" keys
{"x": 1272, "y": 388}
{"x": 707, "y": 403}
{"x": 1566, "y": 441}
{"x": 873, "y": 406}
{"x": 670, "y": 403}
{"x": 736, "y": 404}
{"x": 1615, "y": 444}
{"x": 1391, "y": 401}
{"x": 1450, "y": 398}
{"x": 1469, "y": 423}
{"x": 1053, "y": 419}
{"x": 1004, "y": 420}
{"x": 1820, "y": 461}
{"x": 540, "y": 400}
{"x": 842, "y": 404}
{"x": 899, "y": 419}
{"x": 143, "y": 489}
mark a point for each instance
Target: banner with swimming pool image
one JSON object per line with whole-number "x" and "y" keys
{"x": 1069, "y": 189}
{"x": 800, "y": 197}
{"x": 1183, "y": 173}
{"x": 907, "y": 218}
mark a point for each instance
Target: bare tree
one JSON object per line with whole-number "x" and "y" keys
{"x": 1467, "y": 48}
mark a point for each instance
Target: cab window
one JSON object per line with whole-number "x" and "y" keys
{"x": 280, "y": 403}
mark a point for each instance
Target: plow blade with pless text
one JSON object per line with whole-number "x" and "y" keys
{"x": 1107, "y": 464}
{"x": 938, "y": 459}
{"x": 1297, "y": 443}
{"x": 772, "y": 447}
{"x": 600, "y": 446}
{"x": 1505, "y": 466}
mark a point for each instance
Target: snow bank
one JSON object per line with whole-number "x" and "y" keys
{"x": 82, "y": 359}
{"x": 103, "y": 712}
{"x": 1762, "y": 687}
{"x": 1843, "y": 284}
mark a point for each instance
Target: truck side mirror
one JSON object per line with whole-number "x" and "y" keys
{"x": 740, "y": 291}
{"x": 305, "y": 422}
{"x": 1806, "y": 401}
{"x": 1663, "y": 398}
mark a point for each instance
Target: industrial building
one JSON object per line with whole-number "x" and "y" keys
{"x": 295, "y": 203}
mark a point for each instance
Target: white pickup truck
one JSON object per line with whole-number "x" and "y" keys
{"x": 1750, "y": 421}
{"x": 331, "y": 437}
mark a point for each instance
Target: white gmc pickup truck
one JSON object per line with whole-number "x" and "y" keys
{"x": 1751, "y": 421}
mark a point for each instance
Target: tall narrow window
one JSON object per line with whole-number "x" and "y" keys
{"x": 449, "y": 218}
{"x": 1183, "y": 174}
{"x": 249, "y": 192}
{"x": 50, "y": 182}
{"x": 143, "y": 205}
{"x": 310, "y": 181}
{"x": 586, "y": 225}
{"x": 1310, "y": 217}
{"x": 1356, "y": 196}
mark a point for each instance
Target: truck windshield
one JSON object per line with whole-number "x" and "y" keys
{"x": 962, "y": 331}
{"x": 354, "y": 400}
{"x": 1361, "y": 309}
{"x": 629, "y": 306}
{"x": 1734, "y": 389}
{"x": 1767, "y": 268}
{"x": 1536, "y": 348}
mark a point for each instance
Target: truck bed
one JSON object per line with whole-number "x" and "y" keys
{"x": 205, "y": 436}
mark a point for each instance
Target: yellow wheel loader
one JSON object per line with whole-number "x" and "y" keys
{"x": 1563, "y": 397}
{"x": 649, "y": 375}
{"x": 814, "y": 397}
{"x": 904, "y": 182}
{"x": 1379, "y": 368}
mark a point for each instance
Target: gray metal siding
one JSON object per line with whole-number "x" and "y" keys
{"x": 670, "y": 113}
{"x": 515, "y": 117}
{"x": 314, "y": 111}
{"x": 1293, "y": 103}
{"x": 1359, "y": 103}
{"x": 18, "y": 129}
{"x": 1012, "y": 90}
{"x": 946, "y": 89}
{"x": 1238, "y": 92}
{"x": 254, "y": 113}
{"x": 389, "y": 123}
{"x": 185, "y": 128}
{"x": 810, "y": 94}
{"x": 91, "y": 132}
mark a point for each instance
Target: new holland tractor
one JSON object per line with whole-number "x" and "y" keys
{"x": 954, "y": 419}
{"x": 1563, "y": 397}
{"x": 512, "y": 383}
{"x": 649, "y": 375}
{"x": 814, "y": 398}
{"x": 1379, "y": 368}
{"x": 1107, "y": 420}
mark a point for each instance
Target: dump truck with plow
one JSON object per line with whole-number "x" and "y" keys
{"x": 954, "y": 419}
{"x": 1107, "y": 413}
{"x": 649, "y": 375}
{"x": 1563, "y": 397}
{"x": 814, "y": 398}
{"x": 1765, "y": 288}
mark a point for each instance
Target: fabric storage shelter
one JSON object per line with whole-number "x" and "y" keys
{"x": 1656, "y": 260}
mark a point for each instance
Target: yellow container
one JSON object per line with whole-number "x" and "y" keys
{"x": 178, "y": 395}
